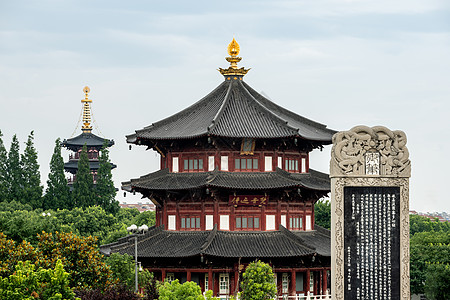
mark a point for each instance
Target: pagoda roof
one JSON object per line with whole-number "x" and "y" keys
{"x": 91, "y": 140}
{"x": 72, "y": 165}
{"x": 234, "y": 110}
{"x": 159, "y": 243}
{"x": 164, "y": 180}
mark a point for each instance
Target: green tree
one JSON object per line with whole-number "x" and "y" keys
{"x": 32, "y": 189}
{"x": 15, "y": 178}
{"x": 83, "y": 188}
{"x": 437, "y": 284}
{"x": 3, "y": 171}
{"x": 26, "y": 283}
{"x": 122, "y": 266}
{"x": 322, "y": 213}
{"x": 57, "y": 194}
{"x": 258, "y": 282}
{"x": 106, "y": 192}
{"x": 176, "y": 291}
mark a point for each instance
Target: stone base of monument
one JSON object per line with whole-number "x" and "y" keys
{"x": 369, "y": 171}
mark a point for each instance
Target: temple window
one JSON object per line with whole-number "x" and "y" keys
{"x": 284, "y": 283}
{"x": 246, "y": 164}
{"x": 304, "y": 165}
{"x": 268, "y": 163}
{"x": 193, "y": 164}
{"x": 224, "y": 283}
{"x": 170, "y": 277}
{"x": 270, "y": 222}
{"x": 280, "y": 162}
{"x": 224, "y": 222}
{"x": 247, "y": 146}
{"x": 190, "y": 223}
{"x": 210, "y": 163}
{"x": 224, "y": 163}
{"x": 295, "y": 222}
{"x": 247, "y": 223}
{"x": 175, "y": 164}
{"x": 308, "y": 222}
{"x": 283, "y": 220}
{"x": 209, "y": 222}
{"x": 291, "y": 165}
{"x": 171, "y": 222}
{"x": 206, "y": 282}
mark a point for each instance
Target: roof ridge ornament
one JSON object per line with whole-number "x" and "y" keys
{"x": 87, "y": 127}
{"x": 233, "y": 59}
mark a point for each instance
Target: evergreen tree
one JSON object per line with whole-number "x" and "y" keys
{"x": 3, "y": 170}
{"x": 106, "y": 192}
{"x": 57, "y": 194}
{"x": 32, "y": 189}
{"x": 15, "y": 177}
{"x": 83, "y": 187}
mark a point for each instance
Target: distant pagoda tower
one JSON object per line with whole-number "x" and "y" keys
{"x": 93, "y": 143}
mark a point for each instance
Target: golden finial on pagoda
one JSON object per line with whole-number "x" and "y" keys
{"x": 86, "y": 111}
{"x": 233, "y": 59}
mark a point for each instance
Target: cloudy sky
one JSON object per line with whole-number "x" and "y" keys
{"x": 339, "y": 62}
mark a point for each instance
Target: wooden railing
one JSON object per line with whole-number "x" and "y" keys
{"x": 297, "y": 297}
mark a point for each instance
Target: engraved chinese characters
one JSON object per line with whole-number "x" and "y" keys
{"x": 255, "y": 200}
{"x": 372, "y": 242}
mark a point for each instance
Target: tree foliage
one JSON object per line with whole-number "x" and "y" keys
{"x": 424, "y": 224}
{"x": 32, "y": 189}
{"x": 4, "y": 182}
{"x": 15, "y": 178}
{"x": 258, "y": 282}
{"x": 27, "y": 283}
{"x": 57, "y": 194}
{"x": 105, "y": 190}
{"x": 176, "y": 291}
{"x": 83, "y": 188}
{"x": 322, "y": 213}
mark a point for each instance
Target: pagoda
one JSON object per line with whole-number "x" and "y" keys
{"x": 234, "y": 185}
{"x": 93, "y": 144}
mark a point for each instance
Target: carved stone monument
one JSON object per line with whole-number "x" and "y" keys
{"x": 369, "y": 171}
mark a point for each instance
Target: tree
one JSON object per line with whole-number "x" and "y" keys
{"x": 26, "y": 283}
{"x": 322, "y": 213}
{"x": 122, "y": 266}
{"x": 176, "y": 291}
{"x": 57, "y": 194}
{"x": 106, "y": 192}
{"x": 258, "y": 282}
{"x": 438, "y": 282}
{"x": 32, "y": 189}
{"x": 3, "y": 171}
{"x": 83, "y": 187}
{"x": 15, "y": 178}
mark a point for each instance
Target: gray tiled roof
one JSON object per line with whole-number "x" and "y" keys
{"x": 158, "y": 242}
{"x": 164, "y": 180}
{"x": 234, "y": 110}
{"x": 72, "y": 165}
{"x": 88, "y": 138}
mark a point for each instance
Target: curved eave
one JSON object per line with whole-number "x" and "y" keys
{"x": 72, "y": 165}
{"x": 164, "y": 180}
{"x": 91, "y": 140}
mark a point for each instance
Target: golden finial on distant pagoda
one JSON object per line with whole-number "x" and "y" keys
{"x": 86, "y": 111}
{"x": 233, "y": 59}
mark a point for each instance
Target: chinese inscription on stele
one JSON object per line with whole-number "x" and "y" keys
{"x": 372, "y": 242}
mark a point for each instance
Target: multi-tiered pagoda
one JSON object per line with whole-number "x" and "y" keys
{"x": 93, "y": 144}
{"x": 235, "y": 185}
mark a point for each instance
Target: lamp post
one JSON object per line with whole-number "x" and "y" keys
{"x": 136, "y": 230}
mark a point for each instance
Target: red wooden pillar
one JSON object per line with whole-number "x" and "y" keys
{"x": 163, "y": 275}
{"x": 164, "y": 215}
{"x": 308, "y": 274}
{"x": 324, "y": 281}
{"x": 188, "y": 276}
{"x": 293, "y": 291}
{"x": 216, "y": 213}
{"x": 210, "y": 280}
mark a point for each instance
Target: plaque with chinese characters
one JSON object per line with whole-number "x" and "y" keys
{"x": 255, "y": 200}
{"x": 371, "y": 243}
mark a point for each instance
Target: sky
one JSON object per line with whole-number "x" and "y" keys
{"x": 339, "y": 62}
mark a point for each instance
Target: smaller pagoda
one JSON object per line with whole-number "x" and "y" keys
{"x": 93, "y": 144}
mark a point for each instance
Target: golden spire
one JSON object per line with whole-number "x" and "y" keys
{"x": 86, "y": 111}
{"x": 233, "y": 59}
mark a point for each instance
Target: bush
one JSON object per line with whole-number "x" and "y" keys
{"x": 115, "y": 292}
{"x": 176, "y": 291}
{"x": 258, "y": 282}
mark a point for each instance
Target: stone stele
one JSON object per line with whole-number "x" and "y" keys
{"x": 368, "y": 157}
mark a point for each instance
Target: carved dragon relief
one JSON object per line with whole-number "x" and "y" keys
{"x": 350, "y": 148}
